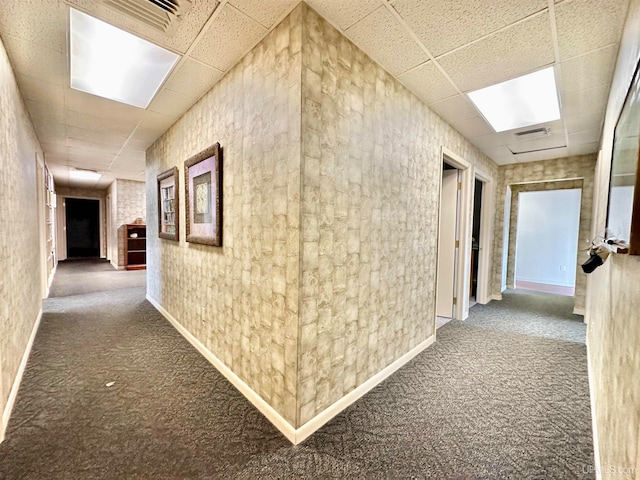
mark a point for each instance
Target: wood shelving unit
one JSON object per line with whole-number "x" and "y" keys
{"x": 135, "y": 247}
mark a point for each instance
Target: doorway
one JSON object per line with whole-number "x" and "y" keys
{"x": 475, "y": 241}
{"x": 82, "y": 228}
{"x": 447, "y": 244}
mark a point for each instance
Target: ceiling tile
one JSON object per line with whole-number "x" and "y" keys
{"x": 155, "y": 122}
{"x": 344, "y": 14}
{"x": 585, "y": 137}
{"x": 100, "y": 137}
{"x": 472, "y": 127}
{"x": 454, "y": 108}
{"x": 44, "y": 25}
{"x": 32, "y": 60}
{"x": 500, "y": 154}
{"x": 545, "y": 142}
{"x": 444, "y": 26}
{"x": 583, "y": 148}
{"x": 84, "y": 102}
{"x": 544, "y": 155}
{"x": 170, "y": 103}
{"x": 93, "y": 146}
{"x": 39, "y": 91}
{"x": 590, "y": 70}
{"x": 101, "y": 123}
{"x": 266, "y": 12}
{"x": 428, "y": 83}
{"x": 95, "y": 156}
{"x": 582, "y": 102}
{"x": 586, "y": 25}
{"x": 191, "y": 25}
{"x": 193, "y": 79}
{"x": 381, "y": 37}
{"x": 581, "y": 123}
{"x": 495, "y": 59}
{"x": 229, "y": 37}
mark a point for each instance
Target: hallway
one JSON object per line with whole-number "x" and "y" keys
{"x": 502, "y": 395}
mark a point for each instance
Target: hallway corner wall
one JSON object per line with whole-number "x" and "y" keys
{"x": 542, "y": 175}
{"x": 130, "y": 204}
{"x": 20, "y": 300}
{"x": 372, "y": 156}
{"x": 613, "y": 332}
{"x": 240, "y": 300}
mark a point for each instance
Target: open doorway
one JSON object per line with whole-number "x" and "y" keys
{"x": 475, "y": 241}
{"x": 447, "y": 244}
{"x": 82, "y": 228}
{"x": 547, "y": 241}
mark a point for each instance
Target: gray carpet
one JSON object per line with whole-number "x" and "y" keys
{"x": 502, "y": 395}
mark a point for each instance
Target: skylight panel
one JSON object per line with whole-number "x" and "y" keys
{"x": 114, "y": 64}
{"x": 520, "y": 102}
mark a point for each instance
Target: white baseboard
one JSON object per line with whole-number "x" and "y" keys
{"x": 323, "y": 417}
{"x": 579, "y": 311}
{"x": 16, "y": 383}
{"x": 50, "y": 280}
{"x": 511, "y": 287}
{"x": 594, "y": 425}
{"x": 294, "y": 435}
{"x": 496, "y": 296}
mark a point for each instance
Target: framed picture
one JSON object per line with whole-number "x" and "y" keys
{"x": 623, "y": 215}
{"x": 168, "y": 205}
{"x": 203, "y": 181}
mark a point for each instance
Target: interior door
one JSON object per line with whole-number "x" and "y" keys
{"x": 447, "y": 243}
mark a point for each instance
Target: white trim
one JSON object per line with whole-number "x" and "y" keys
{"x": 294, "y": 435}
{"x": 594, "y": 425}
{"x": 496, "y": 296}
{"x": 511, "y": 287}
{"x": 485, "y": 241}
{"x": 323, "y": 417}
{"x": 579, "y": 311}
{"x": 16, "y": 382}
{"x": 50, "y": 282}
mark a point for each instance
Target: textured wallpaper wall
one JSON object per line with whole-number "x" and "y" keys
{"x": 241, "y": 300}
{"x": 130, "y": 203}
{"x": 330, "y": 184}
{"x": 613, "y": 333}
{"x": 371, "y": 175}
{"x": 19, "y": 238}
{"x": 569, "y": 168}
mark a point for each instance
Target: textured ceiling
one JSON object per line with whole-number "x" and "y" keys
{"x": 440, "y": 50}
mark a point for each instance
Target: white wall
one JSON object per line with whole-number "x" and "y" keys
{"x": 505, "y": 241}
{"x": 547, "y": 237}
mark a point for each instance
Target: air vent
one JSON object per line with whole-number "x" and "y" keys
{"x": 162, "y": 15}
{"x": 534, "y": 131}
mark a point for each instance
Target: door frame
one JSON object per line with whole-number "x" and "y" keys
{"x": 62, "y": 222}
{"x": 485, "y": 242}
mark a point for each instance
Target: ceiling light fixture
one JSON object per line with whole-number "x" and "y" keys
{"x": 520, "y": 102}
{"x": 115, "y": 64}
{"x": 88, "y": 175}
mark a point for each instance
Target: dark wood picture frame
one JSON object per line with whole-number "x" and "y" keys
{"x": 169, "y": 205}
{"x": 203, "y": 196}
{"x": 623, "y": 210}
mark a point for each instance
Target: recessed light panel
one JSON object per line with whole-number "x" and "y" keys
{"x": 520, "y": 102}
{"x": 114, "y": 64}
{"x": 88, "y": 175}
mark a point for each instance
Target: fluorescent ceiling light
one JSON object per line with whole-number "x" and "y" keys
{"x": 114, "y": 64}
{"x": 520, "y": 102}
{"x": 84, "y": 175}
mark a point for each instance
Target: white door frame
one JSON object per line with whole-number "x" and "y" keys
{"x": 483, "y": 292}
{"x": 62, "y": 220}
{"x": 42, "y": 224}
{"x": 465, "y": 217}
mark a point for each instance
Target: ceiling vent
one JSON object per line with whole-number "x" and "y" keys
{"x": 533, "y": 133}
{"x": 162, "y": 15}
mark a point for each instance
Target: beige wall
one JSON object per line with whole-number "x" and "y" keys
{"x": 568, "y": 168}
{"x": 371, "y": 176}
{"x": 613, "y": 334}
{"x": 241, "y": 300}
{"x": 313, "y": 291}
{"x": 128, "y": 203}
{"x": 20, "y": 264}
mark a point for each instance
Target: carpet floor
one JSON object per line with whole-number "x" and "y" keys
{"x": 502, "y": 395}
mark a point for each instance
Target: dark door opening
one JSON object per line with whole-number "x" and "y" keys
{"x": 475, "y": 238}
{"x": 83, "y": 228}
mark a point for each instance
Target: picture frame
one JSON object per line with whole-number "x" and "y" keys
{"x": 203, "y": 192}
{"x": 623, "y": 210}
{"x": 169, "y": 205}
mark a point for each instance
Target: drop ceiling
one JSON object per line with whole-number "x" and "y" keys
{"x": 440, "y": 50}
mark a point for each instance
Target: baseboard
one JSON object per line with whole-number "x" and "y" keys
{"x": 267, "y": 410}
{"x": 50, "y": 280}
{"x": 594, "y": 424}
{"x": 294, "y": 435}
{"x": 323, "y": 417}
{"x": 567, "y": 291}
{"x": 511, "y": 287}
{"x": 579, "y": 311}
{"x": 496, "y": 296}
{"x": 16, "y": 383}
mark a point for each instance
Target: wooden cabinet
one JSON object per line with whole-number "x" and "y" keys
{"x": 135, "y": 247}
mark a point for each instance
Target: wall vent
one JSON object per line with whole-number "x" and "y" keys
{"x": 162, "y": 15}
{"x": 534, "y": 131}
